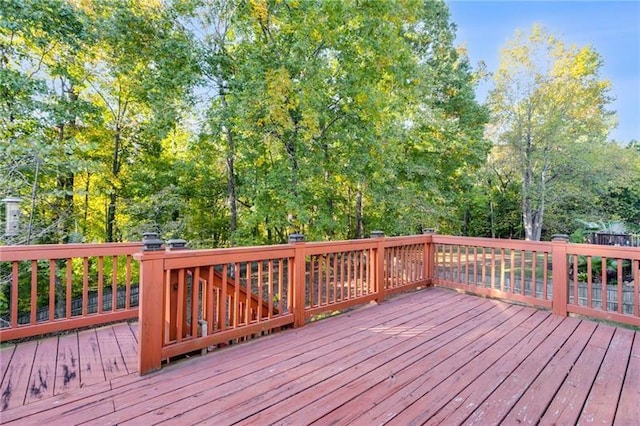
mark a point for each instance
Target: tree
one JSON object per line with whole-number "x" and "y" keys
{"x": 40, "y": 43}
{"x": 549, "y": 112}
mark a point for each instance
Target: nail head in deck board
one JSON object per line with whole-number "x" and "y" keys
{"x": 91, "y": 371}
{"x": 16, "y": 379}
{"x": 568, "y": 401}
{"x": 68, "y": 364}
{"x": 608, "y": 383}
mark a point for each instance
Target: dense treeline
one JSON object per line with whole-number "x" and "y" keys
{"x": 229, "y": 123}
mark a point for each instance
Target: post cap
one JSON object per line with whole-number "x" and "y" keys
{"x": 176, "y": 244}
{"x": 560, "y": 238}
{"x": 11, "y": 200}
{"x": 377, "y": 234}
{"x": 151, "y": 241}
{"x": 296, "y": 238}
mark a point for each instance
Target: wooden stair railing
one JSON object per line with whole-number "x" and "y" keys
{"x": 218, "y": 282}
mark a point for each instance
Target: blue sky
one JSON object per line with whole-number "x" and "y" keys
{"x": 611, "y": 27}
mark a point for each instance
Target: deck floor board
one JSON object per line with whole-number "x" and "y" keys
{"x": 43, "y": 372}
{"x": 68, "y": 366}
{"x": 534, "y": 401}
{"x": 429, "y": 357}
{"x": 608, "y": 382}
{"x": 16, "y": 379}
{"x": 91, "y": 371}
{"x": 6, "y": 353}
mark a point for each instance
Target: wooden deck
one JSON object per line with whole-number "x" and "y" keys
{"x": 434, "y": 356}
{"x": 40, "y": 369}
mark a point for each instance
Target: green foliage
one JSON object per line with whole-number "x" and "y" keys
{"x": 549, "y": 116}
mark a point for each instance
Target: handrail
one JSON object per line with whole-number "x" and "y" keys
{"x": 185, "y": 308}
{"x": 195, "y": 299}
{"x": 68, "y": 286}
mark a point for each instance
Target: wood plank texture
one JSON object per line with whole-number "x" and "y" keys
{"x": 68, "y": 365}
{"x": 43, "y": 372}
{"x": 430, "y": 357}
{"x": 16, "y": 379}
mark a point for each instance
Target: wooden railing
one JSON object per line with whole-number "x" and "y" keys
{"x": 191, "y": 300}
{"x": 507, "y": 269}
{"x": 592, "y": 280}
{"x": 194, "y": 299}
{"x": 51, "y": 288}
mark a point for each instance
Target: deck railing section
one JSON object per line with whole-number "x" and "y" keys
{"x": 209, "y": 297}
{"x": 407, "y": 263}
{"x": 604, "y": 282}
{"x": 508, "y": 269}
{"x": 194, "y": 299}
{"x": 51, "y": 288}
{"x": 240, "y": 293}
{"x": 338, "y": 275}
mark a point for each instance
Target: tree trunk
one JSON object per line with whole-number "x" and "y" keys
{"x": 64, "y": 206}
{"x": 232, "y": 199}
{"x": 359, "y": 225}
{"x": 527, "y": 213}
{"x": 113, "y": 196}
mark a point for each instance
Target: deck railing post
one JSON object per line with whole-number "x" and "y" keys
{"x": 428, "y": 255}
{"x": 379, "y": 281}
{"x": 299, "y": 274}
{"x": 150, "y": 310}
{"x": 560, "y": 274}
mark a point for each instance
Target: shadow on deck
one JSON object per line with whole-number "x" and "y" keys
{"x": 426, "y": 357}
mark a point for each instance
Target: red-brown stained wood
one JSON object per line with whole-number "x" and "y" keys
{"x": 128, "y": 346}
{"x": 34, "y": 291}
{"x": 135, "y": 330}
{"x": 83, "y": 414}
{"x": 68, "y": 364}
{"x": 52, "y": 288}
{"x": 609, "y": 380}
{"x": 313, "y": 403}
{"x": 465, "y": 366}
{"x": 402, "y": 388}
{"x": 628, "y": 406}
{"x": 43, "y": 371}
{"x": 287, "y": 379}
{"x": 533, "y": 403}
{"x": 569, "y": 399}
{"x": 230, "y": 371}
{"x": 494, "y": 403}
{"x": 344, "y": 367}
{"x": 6, "y": 353}
{"x": 14, "y": 294}
{"x": 112, "y": 361}
{"x": 91, "y": 371}
{"x": 131, "y": 389}
{"x": 16, "y": 379}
